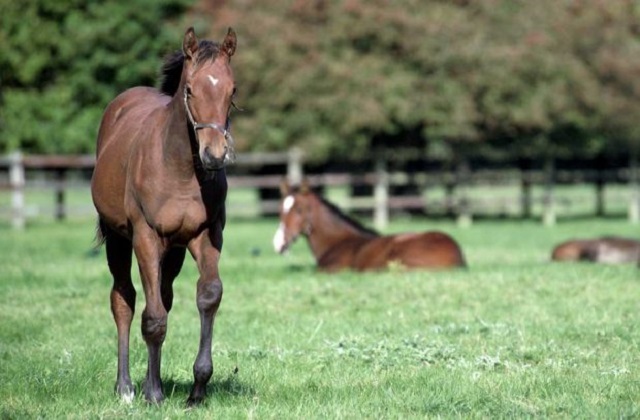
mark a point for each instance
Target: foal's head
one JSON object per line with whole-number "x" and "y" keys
{"x": 208, "y": 93}
{"x": 295, "y": 215}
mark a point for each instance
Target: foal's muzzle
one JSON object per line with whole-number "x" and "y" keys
{"x": 211, "y": 162}
{"x": 280, "y": 241}
{"x": 216, "y": 154}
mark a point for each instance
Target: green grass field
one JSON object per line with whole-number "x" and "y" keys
{"x": 512, "y": 336}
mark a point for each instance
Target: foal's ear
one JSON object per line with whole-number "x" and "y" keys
{"x": 228, "y": 47}
{"x": 190, "y": 44}
{"x": 304, "y": 186}
{"x": 285, "y": 189}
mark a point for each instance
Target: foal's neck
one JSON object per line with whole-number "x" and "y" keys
{"x": 329, "y": 229}
{"x": 179, "y": 149}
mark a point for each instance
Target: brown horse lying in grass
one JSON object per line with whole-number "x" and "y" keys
{"x": 610, "y": 250}
{"x": 339, "y": 242}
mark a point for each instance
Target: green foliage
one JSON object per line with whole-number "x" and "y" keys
{"x": 526, "y": 78}
{"x": 512, "y": 336}
{"x": 338, "y": 78}
{"x": 61, "y": 62}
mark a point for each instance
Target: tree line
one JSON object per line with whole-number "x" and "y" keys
{"x": 500, "y": 78}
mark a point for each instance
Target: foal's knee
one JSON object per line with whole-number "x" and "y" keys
{"x": 209, "y": 295}
{"x": 154, "y": 326}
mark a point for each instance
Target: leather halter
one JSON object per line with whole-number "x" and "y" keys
{"x": 198, "y": 126}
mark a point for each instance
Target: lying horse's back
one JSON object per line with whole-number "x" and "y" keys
{"x": 432, "y": 250}
{"x": 608, "y": 250}
{"x": 570, "y": 250}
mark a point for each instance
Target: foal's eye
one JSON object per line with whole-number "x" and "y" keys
{"x": 189, "y": 93}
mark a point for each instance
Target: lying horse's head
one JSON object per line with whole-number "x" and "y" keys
{"x": 295, "y": 214}
{"x": 208, "y": 92}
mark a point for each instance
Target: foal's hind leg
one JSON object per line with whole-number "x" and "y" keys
{"x": 123, "y": 301}
{"x": 171, "y": 266}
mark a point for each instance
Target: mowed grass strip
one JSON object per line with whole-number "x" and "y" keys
{"x": 513, "y": 335}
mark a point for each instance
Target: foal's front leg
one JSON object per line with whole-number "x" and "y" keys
{"x": 149, "y": 251}
{"x": 206, "y": 252}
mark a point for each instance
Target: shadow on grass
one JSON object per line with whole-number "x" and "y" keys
{"x": 300, "y": 268}
{"x": 220, "y": 389}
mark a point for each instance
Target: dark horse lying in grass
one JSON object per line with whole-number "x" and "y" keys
{"x": 159, "y": 187}
{"x": 339, "y": 242}
{"x": 611, "y": 250}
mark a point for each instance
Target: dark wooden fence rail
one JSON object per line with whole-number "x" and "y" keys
{"x": 457, "y": 183}
{"x": 461, "y": 204}
{"x": 17, "y": 166}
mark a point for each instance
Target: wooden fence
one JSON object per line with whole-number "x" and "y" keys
{"x": 58, "y": 168}
{"x": 457, "y": 200}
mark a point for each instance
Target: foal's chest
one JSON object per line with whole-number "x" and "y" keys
{"x": 181, "y": 219}
{"x": 181, "y": 210}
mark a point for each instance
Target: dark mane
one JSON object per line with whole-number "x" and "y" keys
{"x": 172, "y": 68}
{"x": 341, "y": 215}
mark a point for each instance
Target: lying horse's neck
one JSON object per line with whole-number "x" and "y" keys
{"x": 329, "y": 227}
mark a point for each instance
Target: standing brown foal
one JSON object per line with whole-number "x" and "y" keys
{"x": 159, "y": 187}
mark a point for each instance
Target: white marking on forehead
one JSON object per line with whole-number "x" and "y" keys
{"x": 213, "y": 80}
{"x": 288, "y": 203}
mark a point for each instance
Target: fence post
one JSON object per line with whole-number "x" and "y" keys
{"x": 549, "y": 210}
{"x": 600, "y": 197}
{"x": 449, "y": 193}
{"x": 525, "y": 193}
{"x": 294, "y": 166}
{"x": 381, "y": 195}
{"x": 600, "y": 185}
{"x": 17, "y": 180}
{"x": 59, "y": 188}
{"x": 464, "y": 205}
{"x": 634, "y": 186}
{"x": 526, "y": 184}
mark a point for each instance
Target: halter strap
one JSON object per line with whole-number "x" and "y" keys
{"x": 198, "y": 126}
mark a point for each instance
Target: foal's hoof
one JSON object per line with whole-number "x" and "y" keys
{"x": 125, "y": 392}
{"x": 154, "y": 399}
{"x": 153, "y": 396}
{"x": 194, "y": 402}
{"x": 196, "y": 398}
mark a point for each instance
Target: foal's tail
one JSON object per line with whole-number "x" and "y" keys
{"x": 101, "y": 237}
{"x": 101, "y": 234}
